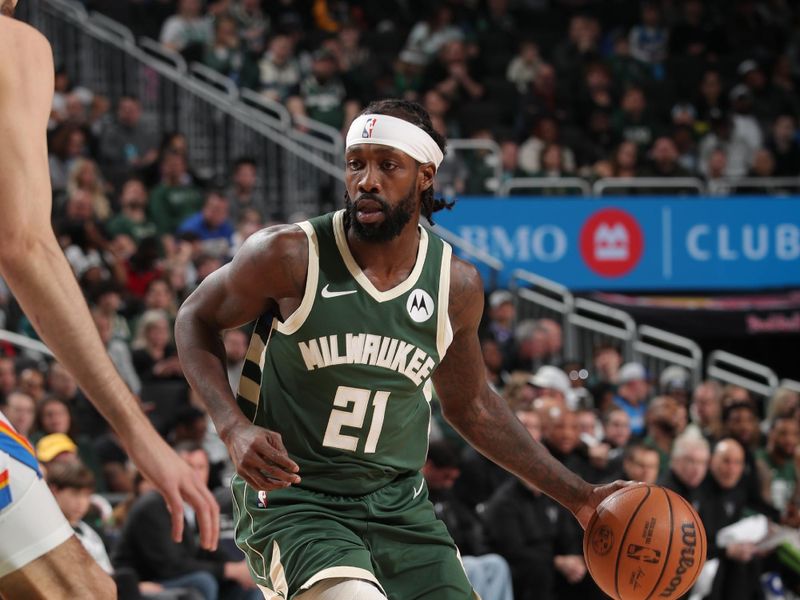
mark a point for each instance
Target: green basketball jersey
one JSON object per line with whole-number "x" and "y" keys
{"x": 345, "y": 379}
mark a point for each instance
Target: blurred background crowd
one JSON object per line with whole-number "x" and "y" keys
{"x": 596, "y": 89}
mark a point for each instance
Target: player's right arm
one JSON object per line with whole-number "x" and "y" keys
{"x": 267, "y": 273}
{"x": 42, "y": 281}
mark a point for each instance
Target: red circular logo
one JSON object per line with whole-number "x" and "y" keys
{"x": 611, "y": 242}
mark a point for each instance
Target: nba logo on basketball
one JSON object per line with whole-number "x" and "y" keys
{"x": 611, "y": 242}
{"x": 368, "y": 127}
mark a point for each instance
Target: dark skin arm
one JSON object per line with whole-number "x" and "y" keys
{"x": 268, "y": 272}
{"x": 484, "y": 419}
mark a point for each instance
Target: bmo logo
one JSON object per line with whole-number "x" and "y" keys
{"x": 611, "y": 242}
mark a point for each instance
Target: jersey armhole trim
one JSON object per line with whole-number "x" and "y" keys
{"x": 299, "y": 316}
{"x": 444, "y": 329}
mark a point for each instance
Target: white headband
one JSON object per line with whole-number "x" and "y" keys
{"x": 397, "y": 133}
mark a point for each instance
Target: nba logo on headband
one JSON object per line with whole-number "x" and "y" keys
{"x": 368, "y": 127}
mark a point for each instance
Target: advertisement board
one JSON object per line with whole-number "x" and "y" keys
{"x": 643, "y": 243}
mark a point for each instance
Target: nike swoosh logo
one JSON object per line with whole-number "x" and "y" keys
{"x": 417, "y": 492}
{"x": 326, "y": 293}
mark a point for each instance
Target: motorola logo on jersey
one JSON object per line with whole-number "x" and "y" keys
{"x": 611, "y": 242}
{"x": 420, "y": 305}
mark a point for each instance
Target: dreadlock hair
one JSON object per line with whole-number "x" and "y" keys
{"x": 415, "y": 114}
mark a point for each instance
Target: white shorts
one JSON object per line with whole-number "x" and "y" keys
{"x": 32, "y": 524}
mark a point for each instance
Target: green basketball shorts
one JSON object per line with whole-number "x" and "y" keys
{"x": 294, "y": 538}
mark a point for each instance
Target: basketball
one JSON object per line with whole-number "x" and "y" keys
{"x": 644, "y": 541}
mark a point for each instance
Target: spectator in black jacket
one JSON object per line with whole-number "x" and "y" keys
{"x": 146, "y": 546}
{"x": 488, "y": 573}
{"x": 687, "y": 467}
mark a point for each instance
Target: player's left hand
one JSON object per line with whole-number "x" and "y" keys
{"x": 597, "y": 494}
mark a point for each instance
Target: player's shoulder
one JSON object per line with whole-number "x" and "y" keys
{"x": 466, "y": 291}
{"x": 22, "y": 41}
{"x": 280, "y": 252}
{"x": 25, "y": 52}
{"x": 280, "y": 240}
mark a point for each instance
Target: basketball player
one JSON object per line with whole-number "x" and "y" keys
{"x": 364, "y": 311}
{"x": 39, "y": 555}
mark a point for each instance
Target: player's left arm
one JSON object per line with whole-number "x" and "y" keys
{"x": 484, "y": 419}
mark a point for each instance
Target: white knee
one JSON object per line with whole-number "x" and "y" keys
{"x": 343, "y": 589}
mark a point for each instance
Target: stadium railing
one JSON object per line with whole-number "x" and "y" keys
{"x": 736, "y": 370}
{"x": 563, "y": 185}
{"x": 657, "y": 349}
{"x": 774, "y": 186}
{"x": 608, "y": 186}
{"x": 593, "y": 324}
{"x": 537, "y": 298}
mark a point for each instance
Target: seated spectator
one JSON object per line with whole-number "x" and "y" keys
{"x": 146, "y": 545}
{"x": 688, "y": 465}
{"x": 176, "y": 198}
{"x": 489, "y": 573}
{"x": 31, "y": 382}
{"x": 715, "y": 169}
{"x": 279, "y": 70}
{"x": 322, "y": 94}
{"x": 252, "y": 22}
{"x": 539, "y": 539}
{"x": 624, "y": 161}
{"x": 107, "y": 298}
{"x": 132, "y": 219}
{"x": 188, "y": 30}
{"x": 8, "y": 377}
{"x": 666, "y": 419}
{"x": 56, "y": 448}
{"x": 226, "y": 54}
{"x": 616, "y": 430}
{"x": 545, "y": 132}
{"x": 632, "y": 121}
{"x": 67, "y": 145}
{"x": 626, "y": 70}
{"x": 87, "y": 420}
{"x": 81, "y": 235}
{"x": 706, "y": 409}
{"x": 724, "y": 502}
{"x": 154, "y": 356}
{"x": 126, "y": 143}
{"x": 242, "y": 191}
{"x": 72, "y": 485}
{"x": 769, "y": 100}
{"x": 632, "y": 394}
{"x": 118, "y": 351}
{"x": 532, "y": 345}
{"x": 579, "y": 48}
{"x": 674, "y": 381}
{"x": 211, "y": 226}
{"x": 785, "y": 146}
{"x": 454, "y": 76}
{"x": 664, "y": 160}
{"x": 778, "y": 459}
{"x": 639, "y": 463}
{"x": 524, "y": 66}
{"x": 599, "y": 142}
{"x": 493, "y": 362}
{"x": 648, "y": 40}
{"x": 551, "y": 384}
{"x": 428, "y": 36}
{"x": 544, "y": 97}
{"x": 160, "y": 296}
{"x": 763, "y": 166}
{"x": 696, "y": 33}
{"x": 710, "y": 100}
{"x": 480, "y": 477}
{"x": 20, "y": 410}
{"x": 84, "y": 175}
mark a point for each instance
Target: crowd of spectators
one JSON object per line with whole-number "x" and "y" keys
{"x": 730, "y": 454}
{"x": 570, "y": 86}
{"x": 566, "y": 87}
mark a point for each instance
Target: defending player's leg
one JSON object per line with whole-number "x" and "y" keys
{"x": 342, "y": 589}
{"x": 39, "y": 555}
{"x": 65, "y": 573}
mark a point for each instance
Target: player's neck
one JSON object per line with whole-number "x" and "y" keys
{"x": 387, "y": 264}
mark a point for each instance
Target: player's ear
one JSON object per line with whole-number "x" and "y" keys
{"x": 425, "y": 176}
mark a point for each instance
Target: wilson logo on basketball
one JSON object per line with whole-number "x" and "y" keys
{"x": 644, "y": 554}
{"x": 689, "y": 539}
{"x": 603, "y": 540}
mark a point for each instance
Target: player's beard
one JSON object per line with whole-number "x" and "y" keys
{"x": 7, "y": 8}
{"x": 393, "y": 221}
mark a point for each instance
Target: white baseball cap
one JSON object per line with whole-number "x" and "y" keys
{"x": 551, "y": 378}
{"x": 631, "y": 371}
